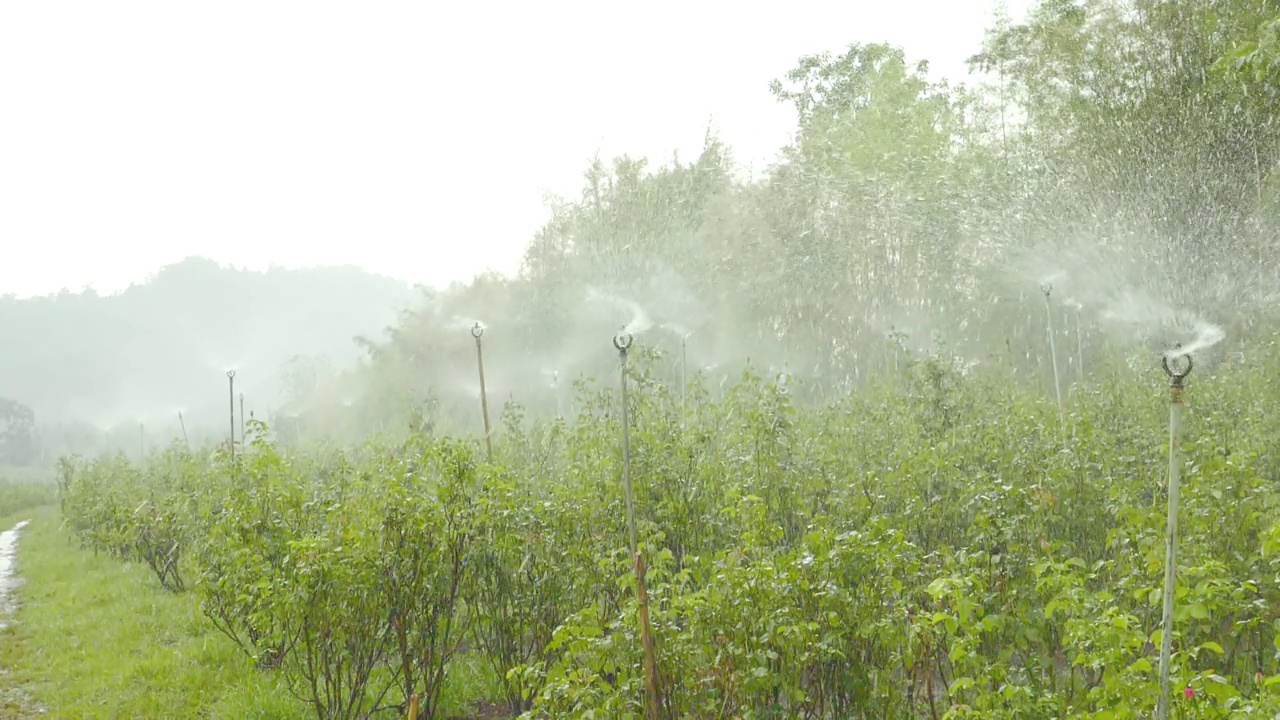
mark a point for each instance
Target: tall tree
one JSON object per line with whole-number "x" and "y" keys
{"x": 1126, "y": 113}
{"x": 17, "y": 434}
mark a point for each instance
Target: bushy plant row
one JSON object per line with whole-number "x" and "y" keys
{"x": 940, "y": 544}
{"x": 19, "y": 494}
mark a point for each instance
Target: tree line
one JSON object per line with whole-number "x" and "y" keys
{"x": 1115, "y": 159}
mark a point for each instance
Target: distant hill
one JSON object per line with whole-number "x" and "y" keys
{"x": 141, "y": 355}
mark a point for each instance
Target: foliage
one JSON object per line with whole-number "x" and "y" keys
{"x": 96, "y": 638}
{"x": 92, "y": 367}
{"x": 20, "y": 494}
{"x": 1120, "y": 151}
{"x": 854, "y": 497}
{"x": 938, "y": 544}
{"x": 1123, "y": 147}
{"x": 17, "y": 433}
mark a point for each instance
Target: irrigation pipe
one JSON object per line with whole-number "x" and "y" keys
{"x": 1176, "y": 384}
{"x": 1053, "y": 351}
{"x": 622, "y": 342}
{"x": 231, "y": 400}
{"x": 684, "y": 382}
{"x": 1079, "y": 346}
{"x": 476, "y": 332}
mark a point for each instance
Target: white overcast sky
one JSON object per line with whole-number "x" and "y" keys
{"x": 414, "y": 139}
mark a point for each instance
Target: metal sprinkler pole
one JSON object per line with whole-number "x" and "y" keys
{"x": 1176, "y": 384}
{"x": 476, "y": 332}
{"x": 555, "y": 390}
{"x": 142, "y": 441}
{"x": 893, "y": 349}
{"x": 242, "y": 418}
{"x": 622, "y": 341}
{"x": 183, "y": 424}
{"x": 684, "y": 383}
{"x": 1053, "y": 348}
{"x": 1079, "y": 346}
{"x": 231, "y": 400}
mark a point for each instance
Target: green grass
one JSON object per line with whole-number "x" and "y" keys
{"x": 27, "y": 475}
{"x": 26, "y": 492}
{"x": 96, "y": 638}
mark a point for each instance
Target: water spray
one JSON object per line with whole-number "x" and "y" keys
{"x": 476, "y": 332}
{"x": 622, "y": 341}
{"x": 1053, "y": 348}
{"x": 231, "y": 399}
{"x": 1176, "y": 384}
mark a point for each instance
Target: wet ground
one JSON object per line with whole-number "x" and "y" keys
{"x": 8, "y": 579}
{"x": 14, "y": 701}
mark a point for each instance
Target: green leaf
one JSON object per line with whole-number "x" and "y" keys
{"x": 1213, "y": 647}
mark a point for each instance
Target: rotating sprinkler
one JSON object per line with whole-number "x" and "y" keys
{"x": 622, "y": 341}
{"x": 231, "y": 400}
{"x": 1053, "y": 348}
{"x": 476, "y": 332}
{"x": 1177, "y": 378}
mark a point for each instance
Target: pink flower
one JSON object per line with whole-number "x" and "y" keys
{"x": 1189, "y": 693}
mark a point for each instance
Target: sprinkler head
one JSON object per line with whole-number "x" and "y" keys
{"x": 231, "y": 373}
{"x": 477, "y": 331}
{"x": 1046, "y": 289}
{"x": 1177, "y": 376}
{"x": 622, "y": 340}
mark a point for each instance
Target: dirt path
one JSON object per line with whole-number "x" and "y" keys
{"x": 14, "y": 701}
{"x": 8, "y": 579}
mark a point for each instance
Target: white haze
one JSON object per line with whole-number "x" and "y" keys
{"x": 140, "y": 132}
{"x": 444, "y": 228}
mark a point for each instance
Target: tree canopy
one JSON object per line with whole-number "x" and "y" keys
{"x": 1119, "y": 153}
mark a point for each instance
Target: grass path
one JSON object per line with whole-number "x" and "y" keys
{"x": 97, "y": 638}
